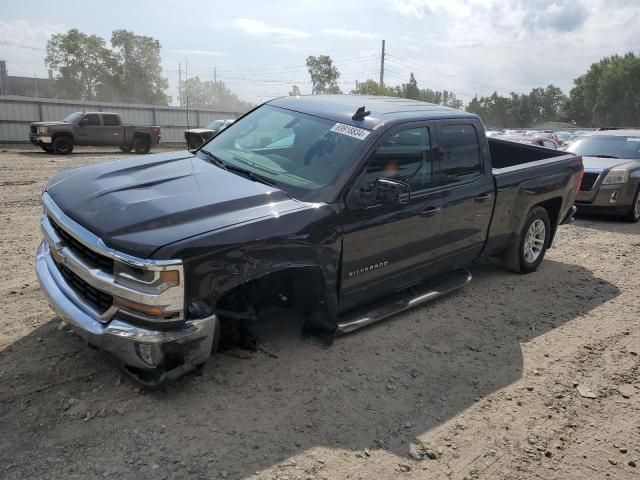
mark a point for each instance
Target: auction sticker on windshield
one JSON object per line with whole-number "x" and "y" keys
{"x": 355, "y": 132}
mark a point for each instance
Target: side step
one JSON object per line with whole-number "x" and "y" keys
{"x": 401, "y": 301}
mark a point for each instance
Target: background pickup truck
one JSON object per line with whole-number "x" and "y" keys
{"x": 347, "y": 209}
{"x": 94, "y": 129}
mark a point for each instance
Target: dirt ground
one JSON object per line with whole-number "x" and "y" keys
{"x": 534, "y": 376}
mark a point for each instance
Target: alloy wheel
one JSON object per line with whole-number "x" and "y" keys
{"x": 534, "y": 241}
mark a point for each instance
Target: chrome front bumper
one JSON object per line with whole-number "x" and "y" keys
{"x": 151, "y": 357}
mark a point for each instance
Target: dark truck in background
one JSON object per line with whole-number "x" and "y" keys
{"x": 347, "y": 209}
{"x": 95, "y": 129}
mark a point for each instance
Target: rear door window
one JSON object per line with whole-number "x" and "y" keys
{"x": 110, "y": 120}
{"x": 460, "y": 158}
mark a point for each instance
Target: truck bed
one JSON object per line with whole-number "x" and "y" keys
{"x": 527, "y": 175}
{"x": 505, "y": 153}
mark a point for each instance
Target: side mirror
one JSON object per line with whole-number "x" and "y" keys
{"x": 84, "y": 122}
{"x": 383, "y": 191}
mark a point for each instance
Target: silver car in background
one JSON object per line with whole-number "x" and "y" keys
{"x": 611, "y": 182}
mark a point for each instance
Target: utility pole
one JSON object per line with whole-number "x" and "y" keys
{"x": 215, "y": 86}
{"x": 382, "y": 67}
{"x": 35, "y": 80}
{"x": 180, "y": 82}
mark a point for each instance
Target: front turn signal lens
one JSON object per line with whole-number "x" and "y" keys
{"x": 153, "y": 311}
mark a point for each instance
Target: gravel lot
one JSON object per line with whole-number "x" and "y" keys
{"x": 515, "y": 376}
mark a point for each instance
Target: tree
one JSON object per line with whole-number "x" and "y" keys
{"x": 138, "y": 76}
{"x": 295, "y": 91}
{"x": 371, "y": 87}
{"x": 324, "y": 75}
{"x": 411, "y": 90}
{"x": 449, "y": 99}
{"x": 83, "y": 63}
{"x": 520, "y": 110}
{"x": 209, "y": 94}
{"x": 608, "y": 94}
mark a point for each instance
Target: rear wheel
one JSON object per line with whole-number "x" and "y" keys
{"x": 63, "y": 146}
{"x": 141, "y": 145}
{"x": 527, "y": 252}
{"x": 634, "y": 211}
{"x": 126, "y": 148}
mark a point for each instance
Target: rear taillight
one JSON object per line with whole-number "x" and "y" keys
{"x": 580, "y": 180}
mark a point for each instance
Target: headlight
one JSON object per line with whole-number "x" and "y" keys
{"x": 146, "y": 281}
{"x": 615, "y": 177}
{"x": 43, "y": 130}
{"x": 161, "y": 291}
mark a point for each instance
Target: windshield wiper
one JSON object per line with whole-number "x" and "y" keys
{"x": 602, "y": 156}
{"x": 252, "y": 176}
{"x": 215, "y": 160}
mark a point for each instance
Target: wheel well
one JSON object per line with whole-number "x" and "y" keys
{"x": 142, "y": 135}
{"x": 300, "y": 288}
{"x": 552, "y": 206}
{"x": 62, "y": 134}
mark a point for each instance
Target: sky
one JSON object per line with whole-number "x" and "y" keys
{"x": 259, "y": 48}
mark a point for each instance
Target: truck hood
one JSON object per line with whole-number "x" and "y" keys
{"x": 598, "y": 164}
{"x": 138, "y": 205}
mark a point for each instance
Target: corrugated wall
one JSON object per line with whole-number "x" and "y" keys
{"x": 16, "y": 113}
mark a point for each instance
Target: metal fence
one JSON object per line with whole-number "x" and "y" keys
{"x": 16, "y": 113}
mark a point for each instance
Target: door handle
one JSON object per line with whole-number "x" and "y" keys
{"x": 430, "y": 212}
{"x": 483, "y": 197}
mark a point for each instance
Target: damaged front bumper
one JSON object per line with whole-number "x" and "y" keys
{"x": 150, "y": 357}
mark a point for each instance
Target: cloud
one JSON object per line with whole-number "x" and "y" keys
{"x": 555, "y": 15}
{"x": 28, "y": 34}
{"x": 287, "y": 46}
{"x": 412, "y": 8}
{"x": 341, "y": 32}
{"x": 259, "y": 28}
{"x": 198, "y": 52}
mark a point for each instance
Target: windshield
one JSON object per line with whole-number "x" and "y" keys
{"x": 300, "y": 153}
{"x": 613, "y": 146}
{"x": 216, "y": 124}
{"x": 74, "y": 116}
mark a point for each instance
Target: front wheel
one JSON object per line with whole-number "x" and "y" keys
{"x": 63, "y": 146}
{"x": 527, "y": 252}
{"x": 47, "y": 148}
{"x": 634, "y": 211}
{"x": 141, "y": 145}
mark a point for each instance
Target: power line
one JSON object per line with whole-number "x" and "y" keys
{"x": 408, "y": 64}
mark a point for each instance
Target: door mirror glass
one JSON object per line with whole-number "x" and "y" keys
{"x": 383, "y": 191}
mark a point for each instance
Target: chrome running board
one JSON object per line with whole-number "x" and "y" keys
{"x": 401, "y": 301}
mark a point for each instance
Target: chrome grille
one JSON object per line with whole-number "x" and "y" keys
{"x": 98, "y": 299}
{"x": 91, "y": 258}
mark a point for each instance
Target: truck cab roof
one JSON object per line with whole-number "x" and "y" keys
{"x": 342, "y": 108}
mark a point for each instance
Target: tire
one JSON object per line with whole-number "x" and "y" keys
{"x": 141, "y": 145}
{"x": 48, "y": 148}
{"x": 63, "y": 146}
{"x": 527, "y": 252}
{"x": 126, "y": 148}
{"x": 634, "y": 212}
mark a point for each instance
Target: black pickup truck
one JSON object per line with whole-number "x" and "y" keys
{"x": 346, "y": 208}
